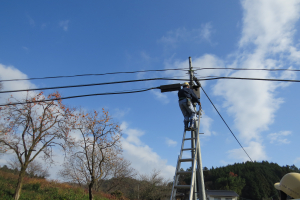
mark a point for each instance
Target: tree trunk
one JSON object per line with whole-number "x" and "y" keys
{"x": 90, "y": 190}
{"x": 20, "y": 183}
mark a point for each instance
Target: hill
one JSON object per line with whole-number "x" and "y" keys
{"x": 251, "y": 180}
{"x": 40, "y": 188}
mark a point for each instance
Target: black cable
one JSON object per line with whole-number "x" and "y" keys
{"x": 86, "y": 95}
{"x": 226, "y": 123}
{"x": 94, "y": 84}
{"x": 250, "y": 69}
{"x": 109, "y": 73}
{"x": 151, "y": 79}
{"x": 253, "y": 79}
{"x": 160, "y": 70}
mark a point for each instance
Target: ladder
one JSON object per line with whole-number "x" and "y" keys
{"x": 196, "y": 188}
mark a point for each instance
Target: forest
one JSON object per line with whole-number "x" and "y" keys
{"x": 250, "y": 180}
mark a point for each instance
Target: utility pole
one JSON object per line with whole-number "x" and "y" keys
{"x": 199, "y": 174}
{"x": 197, "y": 187}
{"x": 193, "y": 135}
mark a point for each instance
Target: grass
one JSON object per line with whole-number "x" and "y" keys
{"x": 42, "y": 189}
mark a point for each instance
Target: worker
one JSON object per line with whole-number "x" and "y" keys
{"x": 186, "y": 97}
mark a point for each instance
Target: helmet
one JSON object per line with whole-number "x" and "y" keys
{"x": 290, "y": 184}
{"x": 185, "y": 84}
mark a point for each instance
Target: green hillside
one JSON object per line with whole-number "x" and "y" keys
{"x": 40, "y": 188}
{"x": 251, "y": 180}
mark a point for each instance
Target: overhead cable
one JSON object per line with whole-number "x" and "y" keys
{"x": 86, "y": 95}
{"x": 253, "y": 79}
{"x": 226, "y": 124}
{"x": 142, "y": 71}
{"x": 94, "y": 84}
{"x": 246, "y": 69}
{"x": 109, "y": 73}
{"x": 150, "y": 79}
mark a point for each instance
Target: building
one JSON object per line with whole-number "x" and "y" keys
{"x": 221, "y": 195}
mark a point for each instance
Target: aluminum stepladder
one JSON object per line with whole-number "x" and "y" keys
{"x": 196, "y": 188}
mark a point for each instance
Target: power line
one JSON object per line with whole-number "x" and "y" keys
{"x": 226, "y": 124}
{"x": 142, "y": 71}
{"x": 246, "y": 69}
{"x": 102, "y": 74}
{"x": 93, "y": 84}
{"x": 150, "y": 79}
{"x": 86, "y": 95}
{"x": 253, "y": 79}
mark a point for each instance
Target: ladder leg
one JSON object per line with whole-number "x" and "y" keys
{"x": 201, "y": 186}
{"x": 193, "y": 156}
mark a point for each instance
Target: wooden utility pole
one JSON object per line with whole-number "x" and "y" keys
{"x": 197, "y": 187}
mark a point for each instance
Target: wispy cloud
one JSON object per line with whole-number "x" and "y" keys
{"x": 31, "y": 21}
{"x": 170, "y": 142}
{"x": 119, "y": 113}
{"x": 174, "y": 37}
{"x": 64, "y": 24}
{"x": 297, "y": 160}
{"x": 206, "y": 31}
{"x": 206, "y": 125}
{"x": 26, "y": 49}
{"x": 160, "y": 96}
{"x": 255, "y": 150}
{"x": 279, "y": 138}
{"x": 142, "y": 157}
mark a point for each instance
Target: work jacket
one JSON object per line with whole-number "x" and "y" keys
{"x": 188, "y": 93}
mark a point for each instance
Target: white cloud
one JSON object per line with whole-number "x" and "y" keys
{"x": 279, "y": 137}
{"x": 31, "y": 21}
{"x": 255, "y": 150}
{"x": 119, "y": 113}
{"x": 141, "y": 156}
{"x": 174, "y": 37}
{"x": 266, "y": 42}
{"x": 170, "y": 142}
{"x": 160, "y": 96}
{"x": 297, "y": 160}
{"x": 269, "y": 24}
{"x": 8, "y": 73}
{"x": 205, "y": 125}
{"x": 26, "y": 49}
{"x": 64, "y": 24}
{"x": 205, "y": 61}
{"x": 206, "y": 30}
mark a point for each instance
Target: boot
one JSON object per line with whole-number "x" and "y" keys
{"x": 192, "y": 124}
{"x": 186, "y": 125}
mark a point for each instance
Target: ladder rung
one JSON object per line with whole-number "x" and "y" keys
{"x": 186, "y": 160}
{"x": 189, "y": 138}
{"x": 188, "y": 149}
{"x": 182, "y": 186}
{"x": 184, "y": 172}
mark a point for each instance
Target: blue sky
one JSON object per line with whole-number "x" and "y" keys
{"x": 50, "y": 38}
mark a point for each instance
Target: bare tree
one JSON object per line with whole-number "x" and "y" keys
{"x": 154, "y": 186}
{"x": 34, "y": 169}
{"x": 117, "y": 172}
{"x": 33, "y": 128}
{"x": 98, "y": 145}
